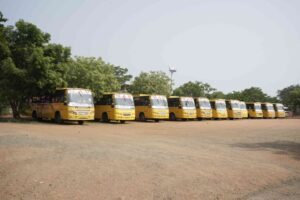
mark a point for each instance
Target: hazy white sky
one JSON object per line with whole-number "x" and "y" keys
{"x": 231, "y": 44}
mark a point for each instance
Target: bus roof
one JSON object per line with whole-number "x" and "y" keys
{"x": 217, "y": 99}
{"x": 146, "y": 95}
{"x": 176, "y": 97}
{"x": 72, "y": 89}
{"x": 112, "y": 93}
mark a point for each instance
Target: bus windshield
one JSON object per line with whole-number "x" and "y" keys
{"x": 257, "y": 107}
{"x": 279, "y": 107}
{"x": 124, "y": 100}
{"x": 79, "y": 98}
{"x": 187, "y": 103}
{"x": 242, "y": 106}
{"x": 270, "y": 108}
{"x": 220, "y": 105}
{"x": 204, "y": 104}
{"x": 235, "y": 105}
{"x": 159, "y": 101}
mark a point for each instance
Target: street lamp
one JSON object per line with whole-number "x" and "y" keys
{"x": 172, "y": 70}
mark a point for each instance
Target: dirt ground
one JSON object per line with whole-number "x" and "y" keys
{"x": 245, "y": 159}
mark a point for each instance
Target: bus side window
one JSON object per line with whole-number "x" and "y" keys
{"x": 105, "y": 100}
{"x": 58, "y": 97}
{"x": 146, "y": 101}
{"x": 173, "y": 102}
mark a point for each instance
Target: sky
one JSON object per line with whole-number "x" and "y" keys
{"x": 230, "y": 44}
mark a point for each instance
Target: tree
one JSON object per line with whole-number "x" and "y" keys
{"x": 234, "y": 95}
{"x": 29, "y": 67}
{"x": 217, "y": 95}
{"x": 153, "y": 82}
{"x": 93, "y": 74}
{"x": 121, "y": 75}
{"x": 290, "y": 96}
{"x": 195, "y": 89}
{"x": 250, "y": 95}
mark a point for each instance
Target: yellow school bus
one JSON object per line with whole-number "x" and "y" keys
{"x": 203, "y": 108}
{"x": 66, "y": 104}
{"x": 181, "y": 108}
{"x": 268, "y": 110}
{"x": 254, "y": 110}
{"x": 279, "y": 111}
{"x": 116, "y": 107}
{"x": 244, "y": 110}
{"x": 233, "y": 109}
{"x": 218, "y": 108}
{"x": 153, "y": 107}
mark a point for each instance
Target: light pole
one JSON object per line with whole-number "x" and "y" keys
{"x": 172, "y": 70}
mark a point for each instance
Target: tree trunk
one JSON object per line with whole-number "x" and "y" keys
{"x": 15, "y": 106}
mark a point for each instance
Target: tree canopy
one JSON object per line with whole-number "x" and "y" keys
{"x": 92, "y": 73}
{"x": 153, "y": 82}
{"x": 30, "y": 67}
{"x": 290, "y": 96}
{"x": 195, "y": 89}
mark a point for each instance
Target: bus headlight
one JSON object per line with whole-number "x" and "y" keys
{"x": 72, "y": 112}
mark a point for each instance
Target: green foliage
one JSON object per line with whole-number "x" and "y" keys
{"x": 251, "y": 94}
{"x": 153, "y": 82}
{"x": 290, "y": 96}
{"x": 93, "y": 74}
{"x": 121, "y": 75}
{"x": 29, "y": 67}
{"x": 194, "y": 89}
{"x": 217, "y": 95}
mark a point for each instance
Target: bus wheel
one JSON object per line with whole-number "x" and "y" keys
{"x": 58, "y": 118}
{"x": 172, "y": 117}
{"x": 122, "y": 121}
{"x": 156, "y": 120}
{"x": 105, "y": 118}
{"x": 200, "y": 119}
{"x": 142, "y": 117}
{"x": 80, "y": 122}
{"x": 34, "y": 115}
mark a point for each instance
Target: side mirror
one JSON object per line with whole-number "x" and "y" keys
{"x": 65, "y": 103}
{"x": 179, "y": 106}
{"x": 112, "y": 105}
{"x": 149, "y": 105}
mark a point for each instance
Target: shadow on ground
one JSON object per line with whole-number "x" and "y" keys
{"x": 278, "y": 147}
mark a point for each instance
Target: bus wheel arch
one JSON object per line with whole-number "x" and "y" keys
{"x": 142, "y": 117}
{"x": 172, "y": 116}
{"x": 57, "y": 117}
{"x": 105, "y": 117}
{"x": 34, "y": 115}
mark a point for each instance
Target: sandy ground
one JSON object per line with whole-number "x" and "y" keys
{"x": 245, "y": 159}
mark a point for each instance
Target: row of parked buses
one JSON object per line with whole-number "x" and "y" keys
{"x": 75, "y": 104}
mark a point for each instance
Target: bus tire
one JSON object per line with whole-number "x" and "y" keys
{"x": 80, "y": 122}
{"x": 57, "y": 118}
{"x": 156, "y": 120}
{"x": 142, "y": 117}
{"x": 122, "y": 121}
{"x": 34, "y": 115}
{"x": 172, "y": 117}
{"x": 105, "y": 118}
